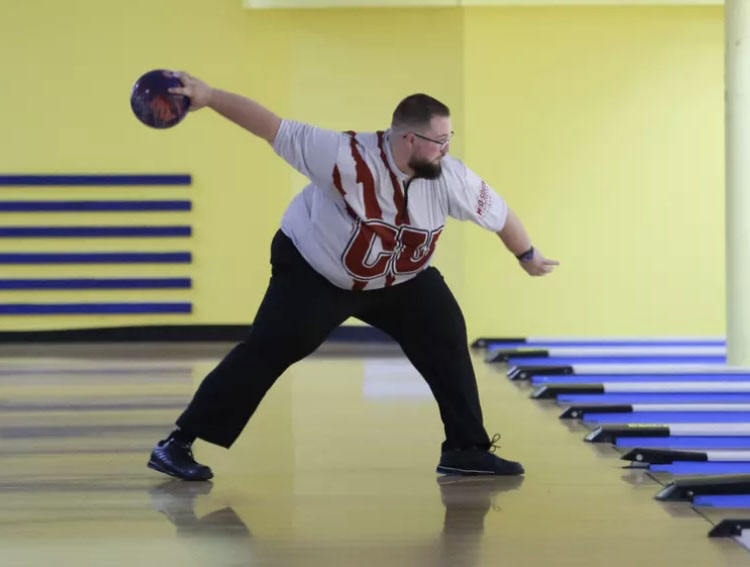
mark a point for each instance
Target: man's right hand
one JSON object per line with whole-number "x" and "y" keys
{"x": 196, "y": 90}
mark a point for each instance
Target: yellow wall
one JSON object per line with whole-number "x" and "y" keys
{"x": 601, "y": 126}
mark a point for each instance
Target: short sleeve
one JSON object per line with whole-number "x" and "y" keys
{"x": 310, "y": 150}
{"x": 473, "y": 199}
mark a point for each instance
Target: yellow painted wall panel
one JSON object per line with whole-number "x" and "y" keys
{"x": 603, "y": 127}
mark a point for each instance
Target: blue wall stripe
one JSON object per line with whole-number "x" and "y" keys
{"x": 91, "y": 231}
{"x": 97, "y": 258}
{"x": 93, "y": 180}
{"x": 97, "y": 283}
{"x": 84, "y": 206}
{"x": 92, "y": 308}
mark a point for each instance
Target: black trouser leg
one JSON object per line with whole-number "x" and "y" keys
{"x": 298, "y": 312}
{"x": 424, "y": 318}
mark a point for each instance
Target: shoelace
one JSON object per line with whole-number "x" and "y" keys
{"x": 188, "y": 448}
{"x": 494, "y": 443}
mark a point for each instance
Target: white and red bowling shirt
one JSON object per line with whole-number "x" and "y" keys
{"x": 350, "y": 223}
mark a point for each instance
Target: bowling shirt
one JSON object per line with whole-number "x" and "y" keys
{"x": 350, "y": 223}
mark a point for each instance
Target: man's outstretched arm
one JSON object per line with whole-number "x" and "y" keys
{"x": 516, "y": 239}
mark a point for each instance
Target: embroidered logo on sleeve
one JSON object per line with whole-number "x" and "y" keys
{"x": 484, "y": 200}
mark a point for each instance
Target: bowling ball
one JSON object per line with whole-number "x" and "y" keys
{"x": 153, "y": 104}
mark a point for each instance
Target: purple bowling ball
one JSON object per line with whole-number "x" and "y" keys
{"x": 153, "y": 104}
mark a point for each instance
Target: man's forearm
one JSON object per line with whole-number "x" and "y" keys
{"x": 514, "y": 236}
{"x": 246, "y": 113}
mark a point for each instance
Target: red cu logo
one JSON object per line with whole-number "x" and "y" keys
{"x": 405, "y": 250}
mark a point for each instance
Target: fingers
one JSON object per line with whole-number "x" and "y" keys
{"x": 194, "y": 89}
{"x": 541, "y": 269}
{"x": 182, "y": 75}
{"x": 543, "y": 266}
{"x": 186, "y": 89}
{"x": 186, "y": 80}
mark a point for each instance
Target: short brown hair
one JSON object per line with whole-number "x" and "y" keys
{"x": 416, "y": 111}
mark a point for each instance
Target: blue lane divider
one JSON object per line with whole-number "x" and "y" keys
{"x": 92, "y": 231}
{"x": 601, "y": 378}
{"x": 96, "y": 258}
{"x": 568, "y": 360}
{"x": 93, "y": 206}
{"x": 93, "y": 180}
{"x": 636, "y": 398}
{"x": 625, "y": 343}
{"x": 684, "y": 442}
{"x": 722, "y": 500}
{"x": 669, "y": 417}
{"x": 683, "y": 467}
{"x": 97, "y": 283}
{"x": 92, "y": 308}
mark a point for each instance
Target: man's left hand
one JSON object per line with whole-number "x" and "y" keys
{"x": 538, "y": 265}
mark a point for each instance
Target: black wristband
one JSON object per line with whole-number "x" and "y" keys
{"x": 526, "y": 256}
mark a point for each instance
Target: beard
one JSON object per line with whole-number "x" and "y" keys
{"x": 425, "y": 169}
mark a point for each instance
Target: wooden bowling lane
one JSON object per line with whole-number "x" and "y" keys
{"x": 336, "y": 468}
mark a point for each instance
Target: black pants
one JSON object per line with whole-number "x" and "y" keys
{"x": 298, "y": 312}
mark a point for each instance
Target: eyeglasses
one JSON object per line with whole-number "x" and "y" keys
{"x": 442, "y": 143}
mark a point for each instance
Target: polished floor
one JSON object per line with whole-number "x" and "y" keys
{"x": 336, "y": 468}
